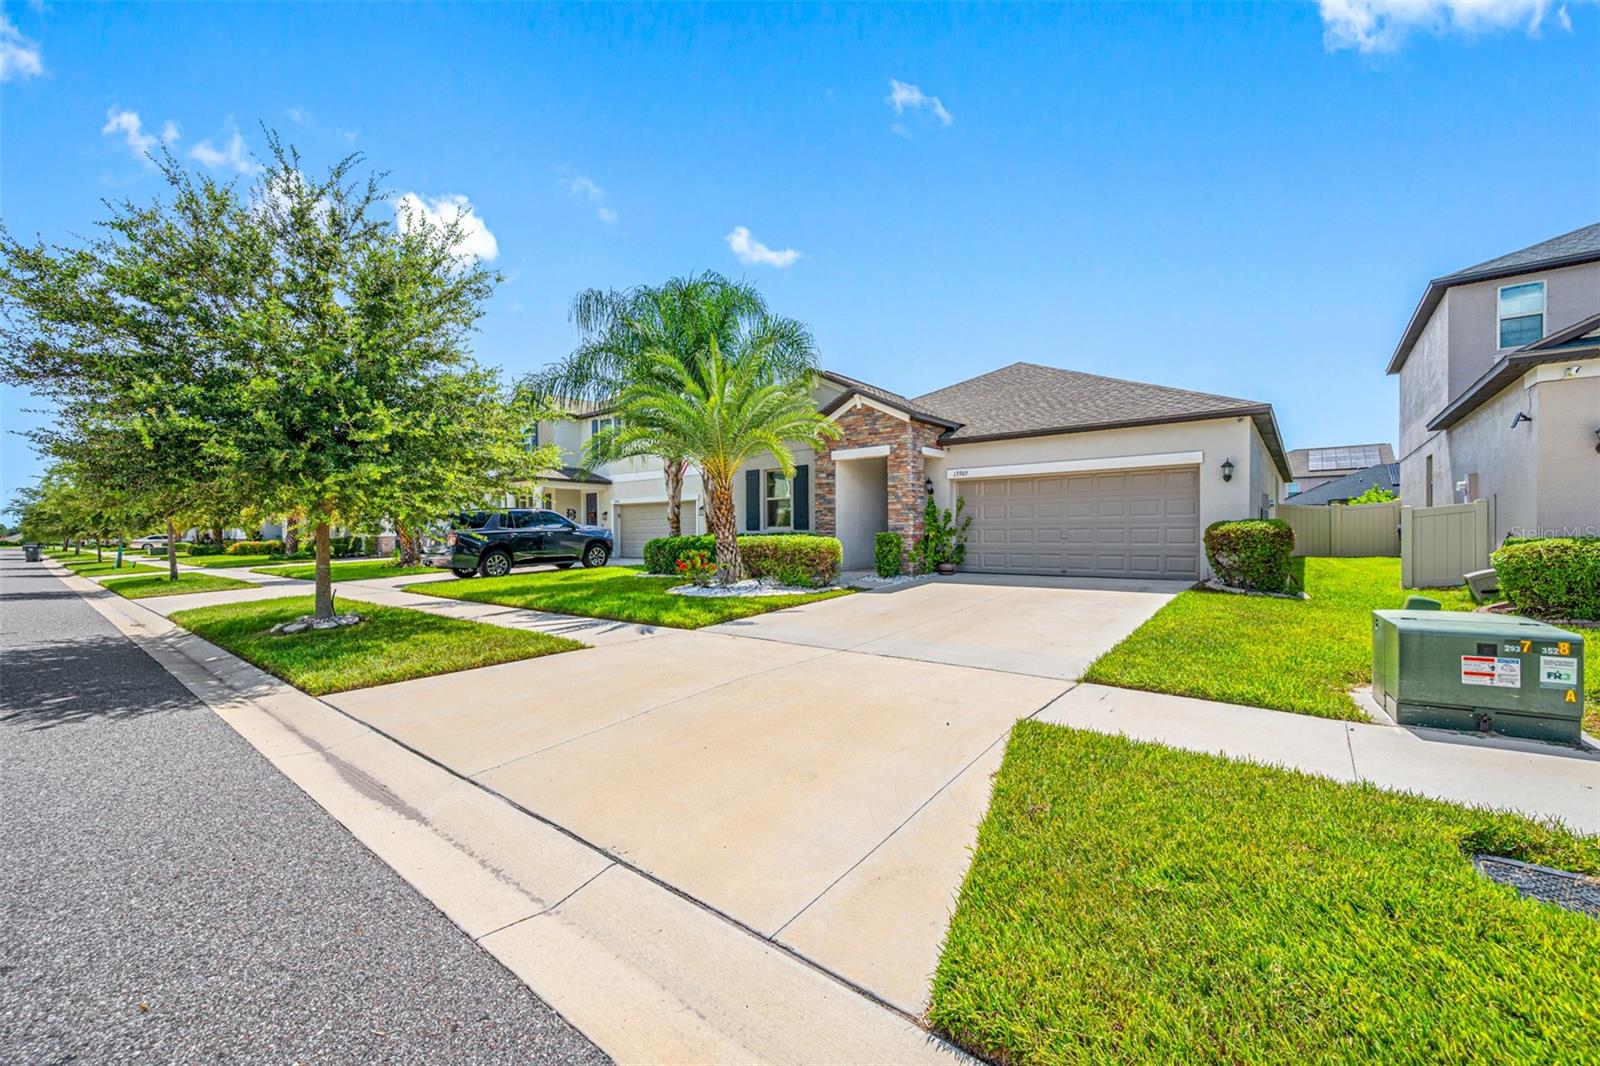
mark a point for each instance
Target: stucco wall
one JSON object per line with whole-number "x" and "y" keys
{"x": 1570, "y": 293}
{"x": 1424, "y": 384}
{"x": 1505, "y": 461}
{"x": 1566, "y": 415}
{"x": 862, "y": 502}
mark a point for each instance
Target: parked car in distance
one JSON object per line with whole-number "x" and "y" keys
{"x": 154, "y": 540}
{"x": 492, "y": 542}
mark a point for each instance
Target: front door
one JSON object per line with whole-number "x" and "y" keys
{"x": 591, "y": 508}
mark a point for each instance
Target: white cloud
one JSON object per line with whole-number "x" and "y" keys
{"x": 903, "y": 97}
{"x": 475, "y": 239}
{"x": 583, "y": 188}
{"x": 19, "y": 56}
{"x": 1384, "y": 25}
{"x": 298, "y": 115}
{"x": 751, "y": 252}
{"x": 131, "y": 127}
{"x": 229, "y": 157}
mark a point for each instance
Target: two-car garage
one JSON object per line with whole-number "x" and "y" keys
{"x": 1138, "y": 523}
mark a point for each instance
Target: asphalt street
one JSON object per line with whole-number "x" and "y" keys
{"x": 168, "y": 896}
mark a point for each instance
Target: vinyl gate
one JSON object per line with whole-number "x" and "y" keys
{"x": 1440, "y": 545}
{"x": 1365, "y": 529}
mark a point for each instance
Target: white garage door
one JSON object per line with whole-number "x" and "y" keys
{"x": 640, "y": 522}
{"x": 1121, "y": 523}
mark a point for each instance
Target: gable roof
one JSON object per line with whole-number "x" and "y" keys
{"x": 1030, "y": 400}
{"x": 1384, "y": 475}
{"x": 854, "y": 388}
{"x": 1580, "y": 246}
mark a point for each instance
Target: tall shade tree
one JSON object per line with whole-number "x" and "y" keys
{"x": 721, "y": 407}
{"x": 366, "y": 401}
{"x": 130, "y": 339}
{"x": 622, "y": 333}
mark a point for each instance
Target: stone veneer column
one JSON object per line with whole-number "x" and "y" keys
{"x": 865, "y": 427}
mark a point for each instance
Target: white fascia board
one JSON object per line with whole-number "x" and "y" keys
{"x": 933, "y": 453}
{"x": 859, "y": 400}
{"x": 1071, "y": 466}
{"x": 875, "y": 451}
{"x": 652, "y": 499}
{"x": 644, "y": 475}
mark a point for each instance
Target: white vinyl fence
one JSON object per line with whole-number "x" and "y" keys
{"x": 1440, "y": 545}
{"x": 1366, "y": 529}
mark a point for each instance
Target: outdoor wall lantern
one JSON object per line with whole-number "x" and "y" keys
{"x": 927, "y": 485}
{"x": 1227, "y": 469}
{"x": 1597, "y": 439}
{"x": 1520, "y": 417}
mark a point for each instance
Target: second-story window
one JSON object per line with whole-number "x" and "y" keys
{"x": 1521, "y": 314}
{"x": 597, "y": 424}
{"x": 531, "y": 438}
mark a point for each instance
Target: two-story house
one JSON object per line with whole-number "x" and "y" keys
{"x": 1500, "y": 389}
{"x": 1063, "y": 473}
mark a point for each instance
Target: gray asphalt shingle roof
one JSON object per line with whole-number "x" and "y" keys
{"x": 1026, "y": 398}
{"x": 1384, "y": 475}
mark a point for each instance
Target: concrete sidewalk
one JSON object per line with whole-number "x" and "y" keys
{"x": 1539, "y": 780}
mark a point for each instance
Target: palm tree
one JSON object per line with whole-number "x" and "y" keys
{"x": 624, "y": 330}
{"x": 720, "y": 407}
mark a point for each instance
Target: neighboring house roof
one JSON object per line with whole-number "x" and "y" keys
{"x": 1569, "y": 249}
{"x": 1383, "y": 475}
{"x": 573, "y": 473}
{"x": 1335, "y": 459}
{"x": 1581, "y": 340}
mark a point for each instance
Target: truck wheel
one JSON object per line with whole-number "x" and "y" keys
{"x": 495, "y": 564}
{"x": 595, "y": 555}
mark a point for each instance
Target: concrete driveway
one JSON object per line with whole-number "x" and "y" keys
{"x": 1045, "y": 627}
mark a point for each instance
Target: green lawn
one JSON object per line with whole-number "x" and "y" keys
{"x": 158, "y": 584}
{"x": 1289, "y": 655}
{"x": 392, "y": 644}
{"x": 229, "y": 562}
{"x": 85, "y": 565}
{"x": 611, "y": 592}
{"x": 355, "y": 570}
{"x": 1129, "y": 902}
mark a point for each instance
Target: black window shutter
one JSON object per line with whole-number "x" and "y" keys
{"x": 802, "y": 497}
{"x": 752, "y": 499}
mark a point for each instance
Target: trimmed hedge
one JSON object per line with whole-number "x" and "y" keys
{"x": 661, "y": 555}
{"x": 255, "y": 547}
{"x": 1558, "y": 577}
{"x": 888, "y": 554}
{"x": 790, "y": 558}
{"x": 793, "y": 558}
{"x": 1252, "y": 554}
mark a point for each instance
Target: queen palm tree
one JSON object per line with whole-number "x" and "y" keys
{"x": 720, "y": 407}
{"x": 623, "y": 330}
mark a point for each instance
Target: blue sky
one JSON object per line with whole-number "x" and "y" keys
{"x": 1244, "y": 200}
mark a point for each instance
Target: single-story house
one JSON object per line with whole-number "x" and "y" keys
{"x": 1063, "y": 472}
{"x": 1383, "y": 475}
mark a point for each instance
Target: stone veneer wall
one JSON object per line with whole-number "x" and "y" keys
{"x": 864, "y": 427}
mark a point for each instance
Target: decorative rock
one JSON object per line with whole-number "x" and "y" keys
{"x": 307, "y": 621}
{"x": 296, "y": 627}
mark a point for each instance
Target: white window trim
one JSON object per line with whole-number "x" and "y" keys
{"x": 764, "y": 498}
{"x": 1071, "y": 466}
{"x": 1544, "y": 310}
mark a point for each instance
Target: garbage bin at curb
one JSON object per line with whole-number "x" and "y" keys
{"x": 30, "y": 553}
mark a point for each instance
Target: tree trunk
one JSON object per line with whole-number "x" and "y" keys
{"x": 410, "y": 543}
{"x": 172, "y": 550}
{"x": 725, "y": 527}
{"x": 672, "y": 474}
{"x": 216, "y": 531}
{"x": 99, "y": 550}
{"x": 324, "y": 572}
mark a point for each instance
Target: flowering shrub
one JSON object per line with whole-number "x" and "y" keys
{"x": 698, "y": 567}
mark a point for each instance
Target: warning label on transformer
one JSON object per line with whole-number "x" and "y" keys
{"x": 1489, "y": 670}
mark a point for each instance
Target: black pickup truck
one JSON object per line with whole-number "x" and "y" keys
{"x": 492, "y": 542}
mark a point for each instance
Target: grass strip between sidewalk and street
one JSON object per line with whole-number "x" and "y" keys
{"x": 391, "y": 644}
{"x": 356, "y": 570}
{"x": 87, "y": 565}
{"x": 613, "y": 592}
{"x": 1133, "y": 902}
{"x": 159, "y": 584}
{"x": 1287, "y": 655}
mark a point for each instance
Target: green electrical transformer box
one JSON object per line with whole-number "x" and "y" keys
{"x": 1461, "y": 670}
